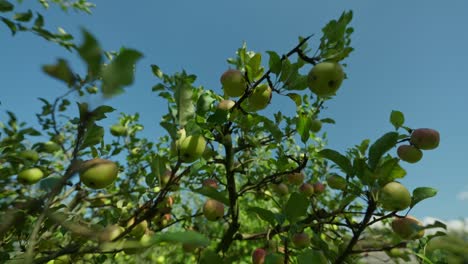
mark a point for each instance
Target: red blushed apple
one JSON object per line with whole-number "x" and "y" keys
{"x": 307, "y": 189}
{"x": 212, "y": 183}
{"x": 258, "y": 256}
{"x": 296, "y": 178}
{"x": 425, "y": 138}
{"x": 319, "y": 187}
{"x": 233, "y": 82}
{"x": 213, "y": 210}
{"x": 408, "y": 227}
{"x": 409, "y": 153}
{"x": 301, "y": 240}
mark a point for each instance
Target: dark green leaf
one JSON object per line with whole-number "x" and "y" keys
{"x": 23, "y": 17}
{"x": 327, "y": 120}
{"x": 397, "y": 119}
{"x": 204, "y": 103}
{"x": 380, "y": 147}
{"x": 120, "y": 72}
{"x": 210, "y": 257}
{"x": 389, "y": 171}
{"x": 94, "y": 135}
{"x": 303, "y": 127}
{"x": 10, "y": 25}
{"x": 39, "y": 22}
{"x": 91, "y": 53}
{"x": 422, "y": 193}
{"x": 214, "y": 194}
{"x": 100, "y": 112}
{"x": 158, "y": 87}
{"x": 6, "y": 6}
{"x": 274, "y": 62}
{"x": 343, "y": 162}
{"x": 60, "y": 71}
{"x": 185, "y": 108}
{"x": 183, "y": 237}
{"x": 156, "y": 71}
{"x": 436, "y": 224}
{"x": 296, "y": 207}
{"x": 311, "y": 256}
{"x": 296, "y": 98}
{"x": 264, "y": 214}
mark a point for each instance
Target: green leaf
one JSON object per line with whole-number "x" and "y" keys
{"x": 214, "y": 194}
{"x": 274, "y": 63}
{"x": 303, "y": 127}
{"x": 39, "y": 22}
{"x": 342, "y": 161}
{"x": 93, "y": 136}
{"x": 311, "y": 256}
{"x": 185, "y": 108}
{"x": 296, "y": 98}
{"x": 10, "y": 25}
{"x": 422, "y": 193}
{"x": 204, "y": 103}
{"x": 100, "y": 112}
{"x": 23, "y": 17}
{"x": 255, "y": 66}
{"x": 120, "y": 72}
{"x": 397, "y": 119}
{"x": 156, "y": 71}
{"x": 380, "y": 147}
{"x": 264, "y": 214}
{"x": 91, "y": 53}
{"x": 296, "y": 207}
{"x": 389, "y": 171}
{"x": 327, "y": 120}
{"x": 436, "y": 224}
{"x": 210, "y": 257}
{"x": 218, "y": 117}
{"x": 6, "y": 6}
{"x": 183, "y": 237}
{"x": 60, "y": 71}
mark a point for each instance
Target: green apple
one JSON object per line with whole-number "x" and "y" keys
{"x": 425, "y": 138}
{"x": 258, "y": 256}
{"x": 409, "y": 153}
{"x": 280, "y": 188}
{"x": 394, "y": 197}
{"x": 315, "y": 125}
{"x": 139, "y": 230}
{"x": 210, "y": 183}
{"x": 260, "y": 97}
{"x": 408, "y": 227}
{"x": 325, "y": 78}
{"x": 226, "y": 105}
{"x": 307, "y": 189}
{"x": 110, "y": 233}
{"x": 213, "y": 210}
{"x": 118, "y": 130}
{"x": 192, "y": 148}
{"x": 296, "y": 178}
{"x": 98, "y": 173}
{"x": 30, "y": 176}
{"x": 319, "y": 188}
{"x": 301, "y": 240}
{"x": 233, "y": 82}
{"x": 64, "y": 259}
{"x": 50, "y": 147}
{"x": 30, "y": 155}
{"x": 336, "y": 182}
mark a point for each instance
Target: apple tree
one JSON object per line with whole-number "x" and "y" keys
{"x": 227, "y": 183}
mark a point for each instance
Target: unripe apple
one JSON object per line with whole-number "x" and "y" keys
{"x": 233, "y": 82}
{"x": 296, "y": 178}
{"x": 118, "y": 130}
{"x": 226, "y": 105}
{"x": 319, "y": 187}
{"x": 315, "y": 125}
{"x": 260, "y": 97}
{"x": 336, "y": 182}
{"x": 409, "y": 153}
{"x": 30, "y": 155}
{"x": 98, "y": 173}
{"x": 110, "y": 233}
{"x": 301, "y": 240}
{"x": 325, "y": 78}
{"x": 408, "y": 227}
{"x": 394, "y": 197}
{"x": 274, "y": 258}
{"x": 425, "y": 138}
{"x": 166, "y": 177}
{"x": 213, "y": 210}
{"x": 50, "y": 147}
{"x": 307, "y": 189}
{"x": 280, "y": 188}
{"x": 30, "y": 176}
{"x": 258, "y": 256}
{"x": 192, "y": 148}
{"x": 211, "y": 183}
{"x": 139, "y": 230}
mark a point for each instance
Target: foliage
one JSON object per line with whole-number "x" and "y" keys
{"x": 247, "y": 154}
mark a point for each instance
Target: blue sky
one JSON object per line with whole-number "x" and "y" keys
{"x": 409, "y": 56}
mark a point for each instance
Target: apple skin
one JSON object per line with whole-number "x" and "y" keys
{"x": 325, "y": 78}
{"x": 307, "y": 189}
{"x": 30, "y": 176}
{"x": 226, "y": 105}
{"x": 336, "y": 182}
{"x": 409, "y": 153}
{"x": 233, "y": 82}
{"x": 319, "y": 188}
{"x": 211, "y": 183}
{"x": 425, "y": 138}
{"x": 139, "y": 230}
{"x": 315, "y": 125}
{"x": 301, "y": 240}
{"x": 258, "y": 256}
{"x": 260, "y": 97}
{"x": 296, "y": 178}
{"x": 394, "y": 197}
{"x": 281, "y": 189}
{"x": 50, "y": 147}
{"x": 192, "y": 148}
{"x": 118, "y": 130}
{"x": 98, "y": 173}
{"x": 213, "y": 210}
{"x": 30, "y": 155}
{"x": 408, "y": 227}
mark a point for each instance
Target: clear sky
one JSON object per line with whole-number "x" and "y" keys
{"x": 409, "y": 56}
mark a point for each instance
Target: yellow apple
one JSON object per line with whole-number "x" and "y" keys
{"x": 98, "y": 173}
{"x": 325, "y": 78}
{"x": 30, "y": 176}
{"x": 226, "y": 105}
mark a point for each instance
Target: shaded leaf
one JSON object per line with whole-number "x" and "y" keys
{"x": 23, "y": 17}
{"x": 264, "y": 214}
{"x": 93, "y": 136}
{"x": 6, "y": 6}
{"x": 183, "y": 237}
{"x": 120, "y": 72}
{"x": 342, "y": 161}
{"x": 397, "y": 119}
{"x": 60, "y": 71}
{"x": 296, "y": 98}
{"x": 274, "y": 63}
{"x": 380, "y": 147}
{"x": 214, "y": 194}
{"x": 91, "y": 53}
{"x": 296, "y": 207}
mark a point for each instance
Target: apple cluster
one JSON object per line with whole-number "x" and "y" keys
{"x": 420, "y": 139}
